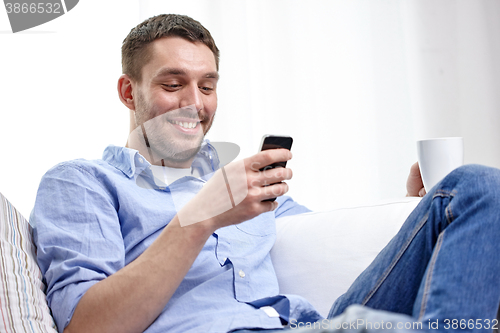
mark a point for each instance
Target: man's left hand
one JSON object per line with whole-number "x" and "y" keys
{"x": 414, "y": 184}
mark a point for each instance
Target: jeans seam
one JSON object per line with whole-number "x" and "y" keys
{"x": 444, "y": 193}
{"x": 448, "y": 211}
{"x": 396, "y": 259}
{"x": 449, "y": 214}
{"x": 428, "y": 279}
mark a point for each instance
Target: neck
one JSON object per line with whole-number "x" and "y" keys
{"x": 144, "y": 151}
{"x": 174, "y": 164}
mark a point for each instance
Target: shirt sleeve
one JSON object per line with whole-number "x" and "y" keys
{"x": 78, "y": 237}
{"x": 289, "y": 207}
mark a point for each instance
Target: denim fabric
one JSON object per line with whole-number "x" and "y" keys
{"x": 442, "y": 269}
{"x": 444, "y": 263}
{"x": 355, "y": 318}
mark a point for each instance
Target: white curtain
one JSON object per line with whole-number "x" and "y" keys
{"x": 355, "y": 83}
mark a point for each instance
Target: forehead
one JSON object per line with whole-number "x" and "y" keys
{"x": 192, "y": 58}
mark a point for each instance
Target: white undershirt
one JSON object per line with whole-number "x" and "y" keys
{"x": 164, "y": 176}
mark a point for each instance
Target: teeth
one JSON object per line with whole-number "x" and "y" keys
{"x": 185, "y": 124}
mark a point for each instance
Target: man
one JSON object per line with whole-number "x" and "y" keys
{"x": 144, "y": 239}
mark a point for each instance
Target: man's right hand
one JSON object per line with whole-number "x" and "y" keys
{"x": 131, "y": 299}
{"x": 237, "y": 191}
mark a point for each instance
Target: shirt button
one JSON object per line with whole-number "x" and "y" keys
{"x": 242, "y": 274}
{"x": 141, "y": 160}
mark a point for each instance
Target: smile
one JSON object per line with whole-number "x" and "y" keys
{"x": 184, "y": 124}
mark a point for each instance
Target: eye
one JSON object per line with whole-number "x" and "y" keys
{"x": 171, "y": 87}
{"x": 206, "y": 90}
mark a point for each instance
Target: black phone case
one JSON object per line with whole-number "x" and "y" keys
{"x": 275, "y": 142}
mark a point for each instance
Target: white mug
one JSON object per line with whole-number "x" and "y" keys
{"x": 438, "y": 157}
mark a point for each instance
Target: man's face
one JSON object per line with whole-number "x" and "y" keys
{"x": 176, "y": 100}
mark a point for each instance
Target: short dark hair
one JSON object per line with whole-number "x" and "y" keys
{"x": 135, "y": 47}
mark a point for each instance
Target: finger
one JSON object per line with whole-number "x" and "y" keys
{"x": 422, "y": 192}
{"x": 415, "y": 170}
{"x": 275, "y": 175}
{"x": 273, "y": 191}
{"x": 267, "y": 157}
{"x": 414, "y": 182}
{"x": 269, "y": 206}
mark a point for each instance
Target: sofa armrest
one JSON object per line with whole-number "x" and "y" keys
{"x": 318, "y": 255}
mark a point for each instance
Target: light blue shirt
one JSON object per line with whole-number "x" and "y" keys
{"x": 92, "y": 218}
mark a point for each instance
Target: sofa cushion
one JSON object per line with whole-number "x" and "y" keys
{"x": 23, "y": 307}
{"x": 318, "y": 255}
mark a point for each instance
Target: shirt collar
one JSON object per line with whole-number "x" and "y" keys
{"x": 131, "y": 163}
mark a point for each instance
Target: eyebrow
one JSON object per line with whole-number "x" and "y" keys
{"x": 177, "y": 71}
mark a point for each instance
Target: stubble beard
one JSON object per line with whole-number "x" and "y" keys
{"x": 164, "y": 142}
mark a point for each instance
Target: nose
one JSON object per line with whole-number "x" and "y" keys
{"x": 192, "y": 96}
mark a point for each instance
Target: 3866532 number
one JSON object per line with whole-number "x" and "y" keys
{"x": 32, "y": 8}
{"x": 471, "y": 324}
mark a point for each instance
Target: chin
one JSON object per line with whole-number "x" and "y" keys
{"x": 175, "y": 152}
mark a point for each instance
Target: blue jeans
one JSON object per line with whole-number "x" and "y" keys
{"x": 442, "y": 269}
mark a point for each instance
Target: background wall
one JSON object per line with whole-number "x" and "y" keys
{"x": 354, "y": 82}
{"x": 58, "y": 92}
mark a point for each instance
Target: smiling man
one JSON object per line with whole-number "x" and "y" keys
{"x": 179, "y": 84}
{"x": 143, "y": 240}
{"x": 111, "y": 244}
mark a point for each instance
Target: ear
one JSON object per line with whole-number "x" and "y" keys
{"x": 125, "y": 87}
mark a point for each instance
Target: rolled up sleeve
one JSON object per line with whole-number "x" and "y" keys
{"x": 78, "y": 236}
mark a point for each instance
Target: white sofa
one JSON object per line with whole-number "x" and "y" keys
{"x": 317, "y": 255}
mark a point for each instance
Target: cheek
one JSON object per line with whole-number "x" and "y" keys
{"x": 166, "y": 100}
{"x": 211, "y": 105}
{"x": 161, "y": 104}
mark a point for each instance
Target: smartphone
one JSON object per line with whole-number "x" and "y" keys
{"x": 274, "y": 142}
